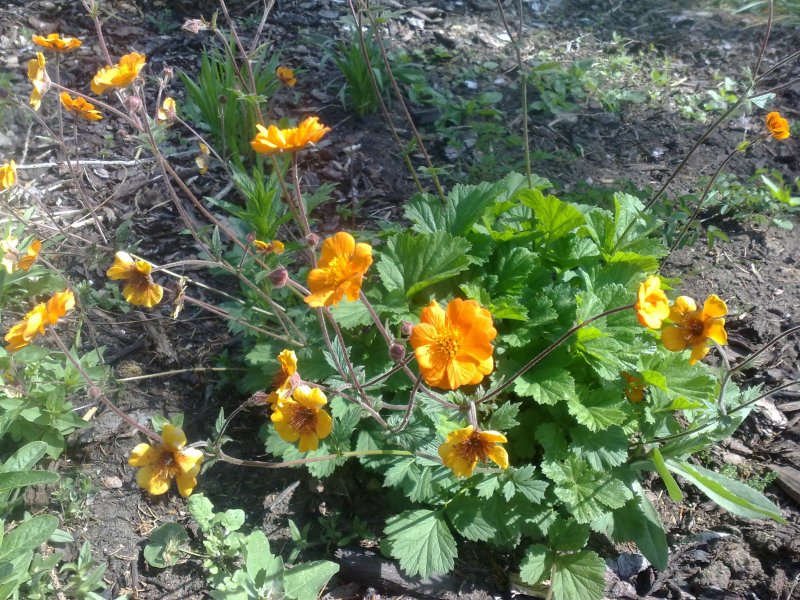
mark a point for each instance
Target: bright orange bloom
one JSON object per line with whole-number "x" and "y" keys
{"x": 287, "y": 380}
{"x": 80, "y": 107}
{"x": 693, "y": 328}
{"x": 12, "y": 259}
{"x": 159, "y": 465}
{"x": 634, "y": 390}
{"x": 340, "y": 270}
{"x": 8, "y": 175}
{"x": 466, "y": 447}
{"x": 652, "y": 305}
{"x": 55, "y": 42}
{"x": 271, "y": 140}
{"x": 121, "y": 75}
{"x": 203, "y": 160}
{"x": 166, "y": 114}
{"x": 275, "y": 246}
{"x": 139, "y": 288}
{"x": 286, "y": 75}
{"x": 778, "y": 126}
{"x": 37, "y": 74}
{"x": 31, "y": 254}
{"x": 454, "y": 348}
{"x": 301, "y": 418}
{"x": 41, "y": 315}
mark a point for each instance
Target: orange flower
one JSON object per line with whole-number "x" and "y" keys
{"x": 454, "y": 348}
{"x": 31, "y": 254}
{"x": 12, "y": 259}
{"x": 465, "y": 447}
{"x": 652, "y": 305}
{"x": 286, "y": 75}
{"x": 203, "y": 159}
{"x": 37, "y": 74}
{"x": 693, "y": 328}
{"x": 139, "y": 288}
{"x": 121, "y": 75}
{"x": 166, "y": 114}
{"x": 159, "y": 465}
{"x": 80, "y": 107}
{"x": 275, "y": 246}
{"x": 288, "y": 378}
{"x": 634, "y": 390}
{"x": 41, "y": 315}
{"x": 272, "y": 140}
{"x": 8, "y": 175}
{"x": 55, "y": 42}
{"x": 301, "y": 418}
{"x": 778, "y": 126}
{"x": 340, "y": 270}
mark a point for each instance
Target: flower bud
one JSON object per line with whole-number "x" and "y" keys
{"x": 168, "y": 73}
{"x": 406, "y": 328}
{"x": 397, "y": 352}
{"x": 95, "y": 393}
{"x": 279, "y": 277}
{"x": 194, "y": 26}
{"x": 312, "y": 240}
{"x": 259, "y": 397}
{"x": 134, "y": 104}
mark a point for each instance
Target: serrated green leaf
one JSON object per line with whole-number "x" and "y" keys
{"x": 599, "y": 409}
{"x": 579, "y": 576}
{"x": 505, "y": 417}
{"x": 525, "y": 483}
{"x": 568, "y": 535}
{"x": 468, "y": 519}
{"x": 554, "y": 218}
{"x": 306, "y": 581}
{"x": 547, "y": 385}
{"x": 411, "y": 262}
{"x": 536, "y": 565}
{"x": 464, "y": 206}
{"x": 488, "y": 486}
{"x": 350, "y": 315}
{"x": 422, "y": 542}
{"x": 601, "y": 451}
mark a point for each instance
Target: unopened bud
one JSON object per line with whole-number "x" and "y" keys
{"x": 406, "y": 328}
{"x": 134, "y": 104}
{"x": 95, "y": 393}
{"x": 251, "y": 237}
{"x": 397, "y": 352}
{"x": 168, "y": 73}
{"x": 222, "y": 99}
{"x": 279, "y": 277}
{"x": 259, "y": 397}
{"x": 312, "y": 239}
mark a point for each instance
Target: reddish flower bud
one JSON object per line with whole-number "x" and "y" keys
{"x": 397, "y": 352}
{"x": 279, "y": 277}
{"x": 312, "y": 240}
{"x": 406, "y": 328}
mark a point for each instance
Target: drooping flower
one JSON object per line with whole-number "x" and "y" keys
{"x": 159, "y": 465}
{"x": 340, "y": 270}
{"x": 274, "y": 247}
{"x": 80, "y": 107}
{"x": 12, "y": 259}
{"x": 121, "y": 75}
{"x": 40, "y": 316}
{"x": 286, "y": 76}
{"x": 203, "y": 160}
{"x": 634, "y": 388}
{"x": 301, "y": 418}
{"x": 465, "y": 447}
{"x": 37, "y": 74}
{"x": 167, "y": 112}
{"x": 652, "y": 305}
{"x": 693, "y": 328}
{"x": 139, "y": 288}
{"x": 26, "y": 261}
{"x": 454, "y": 347}
{"x": 271, "y": 140}
{"x": 778, "y": 126}
{"x": 8, "y": 175}
{"x": 55, "y": 42}
{"x": 287, "y": 379}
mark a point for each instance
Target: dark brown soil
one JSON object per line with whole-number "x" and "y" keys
{"x": 757, "y": 272}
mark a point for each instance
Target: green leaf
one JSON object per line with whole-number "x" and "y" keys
{"x": 166, "y": 544}
{"x": 547, "y": 385}
{"x": 201, "y": 510}
{"x": 18, "y": 479}
{"x": 28, "y": 535}
{"x": 554, "y": 218}
{"x": 464, "y": 206}
{"x": 732, "y": 495}
{"x": 601, "y": 451}
{"x": 639, "y": 522}
{"x": 25, "y": 458}
{"x": 568, "y": 536}
{"x": 467, "y": 516}
{"x": 579, "y": 576}
{"x": 411, "y": 262}
{"x": 505, "y": 417}
{"x": 306, "y": 581}
{"x": 599, "y": 409}
{"x": 422, "y": 542}
{"x": 536, "y": 565}
{"x": 263, "y": 568}
{"x": 524, "y": 482}
{"x": 669, "y": 481}
{"x": 351, "y": 314}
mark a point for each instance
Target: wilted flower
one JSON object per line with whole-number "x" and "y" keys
{"x": 80, "y": 107}
{"x": 275, "y": 246}
{"x": 37, "y": 74}
{"x": 120, "y": 75}
{"x": 271, "y": 140}
{"x": 139, "y": 288}
{"x": 301, "y": 418}
{"x": 466, "y": 447}
{"x": 26, "y": 261}
{"x": 55, "y": 42}
{"x": 287, "y": 379}
{"x": 166, "y": 114}
{"x": 203, "y": 160}
{"x": 652, "y": 305}
{"x": 454, "y": 348}
{"x": 634, "y": 387}
{"x": 286, "y": 75}
{"x": 159, "y": 465}
{"x": 340, "y": 270}
{"x": 195, "y": 26}
{"x": 40, "y": 316}
{"x": 693, "y": 328}
{"x": 778, "y": 126}
{"x": 8, "y": 175}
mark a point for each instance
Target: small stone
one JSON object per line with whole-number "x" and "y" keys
{"x": 111, "y": 482}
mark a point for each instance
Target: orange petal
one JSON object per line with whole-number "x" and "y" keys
{"x": 714, "y": 308}
{"x": 673, "y": 339}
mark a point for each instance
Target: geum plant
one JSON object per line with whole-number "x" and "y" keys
{"x": 509, "y": 363}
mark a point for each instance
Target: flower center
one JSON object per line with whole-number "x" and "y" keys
{"x": 338, "y": 270}
{"x": 447, "y": 344}
{"x": 695, "y": 328}
{"x": 474, "y": 448}
{"x": 167, "y": 467}
{"x": 303, "y": 419}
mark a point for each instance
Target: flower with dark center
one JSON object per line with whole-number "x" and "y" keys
{"x": 693, "y": 328}
{"x": 139, "y": 288}
{"x": 465, "y": 448}
{"x": 159, "y": 465}
{"x": 301, "y": 418}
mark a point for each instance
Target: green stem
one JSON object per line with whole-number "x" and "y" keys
{"x": 304, "y": 461}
